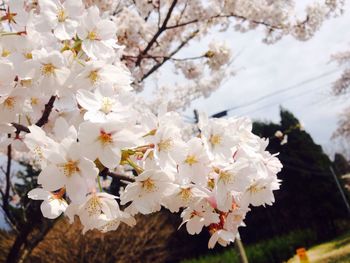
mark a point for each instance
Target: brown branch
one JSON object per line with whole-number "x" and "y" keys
{"x": 8, "y": 173}
{"x": 226, "y": 16}
{"x": 20, "y": 128}
{"x": 157, "y": 34}
{"x": 164, "y": 57}
{"x": 119, "y": 176}
{"x": 182, "y": 11}
{"x": 47, "y": 111}
{"x": 5, "y": 196}
{"x": 41, "y": 122}
{"x": 155, "y": 67}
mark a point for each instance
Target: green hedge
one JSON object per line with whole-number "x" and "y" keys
{"x": 276, "y": 250}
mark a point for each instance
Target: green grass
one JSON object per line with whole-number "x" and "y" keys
{"x": 278, "y": 249}
{"x": 281, "y": 248}
{"x": 334, "y": 251}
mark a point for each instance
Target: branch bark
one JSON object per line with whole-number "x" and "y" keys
{"x": 155, "y": 67}
{"x": 20, "y": 128}
{"x": 6, "y": 195}
{"x": 274, "y": 27}
{"x": 47, "y": 111}
{"x": 157, "y": 34}
{"x": 43, "y": 119}
{"x": 118, "y": 176}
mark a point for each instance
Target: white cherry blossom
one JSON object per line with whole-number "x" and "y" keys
{"x": 149, "y": 189}
{"x": 197, "y": 216}
{"x": 105, "y": 141}
{"x": 99, "y": 210}
{"x": 67, "y": 168}
{"x": 61, "y": 17}
{"x": 97, "y": 34}
{"x": 53, "y": 204}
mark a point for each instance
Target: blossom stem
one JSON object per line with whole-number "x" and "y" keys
{"x": 99, "y": 183}
{"x": 137, "y": 168}
{"x": 2, "y": 34}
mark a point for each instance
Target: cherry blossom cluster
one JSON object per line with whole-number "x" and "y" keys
{"x": 340, "y": 88}
{"x": 156, "y": 33}
{"x": 68, "y": 107}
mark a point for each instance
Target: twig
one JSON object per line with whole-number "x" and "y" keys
{"x": 163, "y": 57}
{"x": 226, "y": 16}
{"x": 160, "y": 30}
{"x": 118, "y": 176}
{"x": 155, "y": 67}
{"x": 5, "y": 196}
{"x": 47, "y": 111}
{"x": 20, "y": 128}
{"x": 8, "y": 173}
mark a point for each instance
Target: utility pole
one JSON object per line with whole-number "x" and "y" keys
{"x": 340, "y": 189}
{"x": 238, "y": 242}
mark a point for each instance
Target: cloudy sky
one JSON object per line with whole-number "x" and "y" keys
{"x": 304, "y": 68}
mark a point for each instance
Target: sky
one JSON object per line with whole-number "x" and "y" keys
{"x": 304, "y": 68}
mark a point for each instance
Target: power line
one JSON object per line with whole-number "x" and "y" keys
{"x": 289, "y": 98}
{"x": 274, "y": 93}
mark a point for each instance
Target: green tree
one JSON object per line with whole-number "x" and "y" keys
{"x": 308, "y": 197}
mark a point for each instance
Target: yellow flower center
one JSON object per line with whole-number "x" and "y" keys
{"x": 254, "y": 188}
{"x": 105, "y": 138}
{"x": 165, "y": 145}
{"x": 225, "y": 176}
{"x": 186, "y": 194}
{"x": 148, "y": 185}
{"x": 107, "y": 104}
{"x": 5, "y": 52}
{"x": 93, "y": 76}
{"x": 28, "y": 55}
{"x": 61, "y": 16}
{"x": 191, "y": 160}
{"x": 94, "y": 206}
{"x": 38, "y": 152}
{"x": 215, "y": 139}
{"x": 26, "y": 82}
{"x": 237, "y": 218}
{"x": 70, "y": 168}
{"x": 48, "y": 69}
{"x": 211, "y": 183}
{"x": 34, "y": 101}
{"x": 10, "y": 17}
{"x": 10, "y": 102}
{"x": 92, "y": 35}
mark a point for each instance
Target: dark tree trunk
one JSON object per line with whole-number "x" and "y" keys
{"x": 19, "y": 247}
{"x": 29, "y": 238}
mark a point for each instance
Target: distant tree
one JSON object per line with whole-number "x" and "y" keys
{"x": 309, "y": 197}
{"x": 341, "y": 164}
{"x": 342, "y": 167}
{"x": 24, "y": 216}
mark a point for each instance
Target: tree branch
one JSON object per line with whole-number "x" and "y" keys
{"x": 155, "y": 67}
{"x": 20, "y": 128}
{"x": 225, "y": 16}
{"x": 8, "y": 174}
{"x": 6, "y": 195}
{"x": 119, "y": 176}
{"x": 41, "y": 122}
{"x": 157, "y": 34}
{"x": 47, "y": 111}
